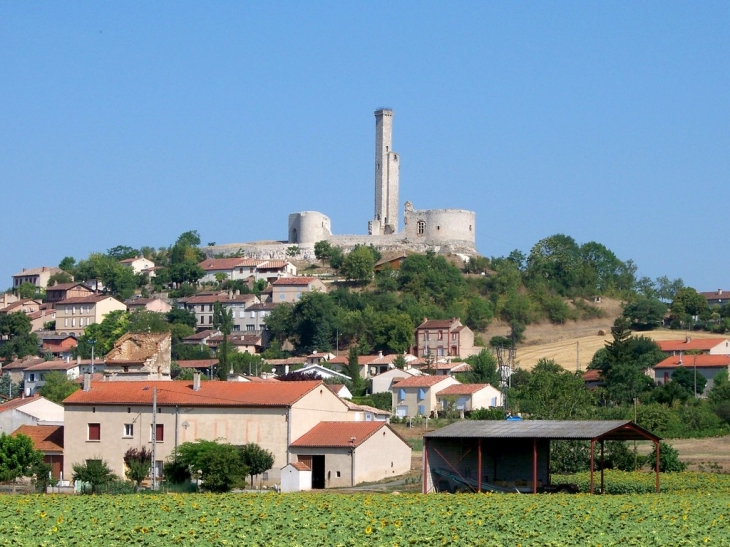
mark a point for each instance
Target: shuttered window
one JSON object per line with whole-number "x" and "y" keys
{"x": 94, "y": 432}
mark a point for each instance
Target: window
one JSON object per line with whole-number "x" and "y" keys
{"x": 210, "y": 307}
{"x": 421, "y": 227}
{"x": 281, "y": 296}
{"x": 94, "y": 432}
{"x": 241, "y": 314}
{"x": 421, "y": 410}
{"x": 65, "y": 322}
{"x": 128, "y": 430}
{"x": 158, "y": 469}
{"x": 338, "y": 474}
{"x": 401, "y": 394}
{"x": 441, "y": 335}
{"x": 210, "y": 319}
{"x": 253, "y": 314}
{"x": 440, "y": 351}
{"x": 160, "y": 433}
{"x": 73, "y": 322}
{"x": 421, "y": 394}
{"x": 453, "y": 337}
{"x": 250, "y": 327}
{"x": 236, "y": 327}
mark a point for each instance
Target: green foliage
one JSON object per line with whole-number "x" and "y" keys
{"x": 219, "y": 464}
{"x": 257, "y": 459}
{"x": 322, "y": 250}
{"x": 645, "y": 313}
{"x": 487, "y": 414}
{"x": 552, "y": 393}
{"x": 42, "y": 477}
{"x": 17, "y": 457}
{"x": 147, "y": 321}
{"x": 358, "y": 264}
{"x": 337, "y": 258}
{"x": 356, "y": 384}
{"x": 57, "y": 386}
{"x": 8, "y": 388}
{"x": 569, "y": 456}
{"x": 26, "y": 290}
{"x": 96, "y": 474}
{"x": 383, "y": 401}
{"x": 479, "y": 313}
{"x": 60, "y": 277}
{"x": 122, "y": 252}
{"x": 686, "y": 377}
{"x": 668, "y": 459}
{"x": 484, "y": 369}
{"x": 112, "y": 327}
{"x": 138, "y": 462}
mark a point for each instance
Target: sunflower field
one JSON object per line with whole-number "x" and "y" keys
{"x": 329, "y": 519}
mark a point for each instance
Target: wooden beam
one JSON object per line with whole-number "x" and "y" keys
{"x": 534, "y": 465}
{"x": 479, "y": 465}
{"x": 602, "y": 465}
{"x": 593, "y": 452}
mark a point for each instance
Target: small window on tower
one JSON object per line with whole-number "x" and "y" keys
{"x": 421, "y": 227}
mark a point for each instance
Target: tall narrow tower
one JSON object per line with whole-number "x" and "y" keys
{"x": 386, "y": 176}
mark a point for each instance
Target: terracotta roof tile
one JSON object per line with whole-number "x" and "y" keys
{"x": 700, "y": 344}
{"x": 462, "y": 389}
{"x": 338, "y": 434}
{"x": 437, "y": 324}
{"x": 222, "y": 298}
{"x": 64, "y": 287}
{"x": 421, "y": 381}
{"x": 203, "y": 334}
{"x": 46, "y": 438}
{"x": 37, "y": 271}
{"x": 18, "y": 402}
{"x": 300, "y": 466}
{"x": 22, "y": 364}
{"x": 344, "y": 360}
{"x": 690, "y": 361}
{"x": 211, "y": 393}
{"x": 91, "y": 299}
{"x": 197, "y": 363}
{"x": 212, "y": 264}
{"x": 287, "y": 281}
{"x": 58, "y": 364}
{"x": 264, "y": 306}
{"x": 592, "y": 375}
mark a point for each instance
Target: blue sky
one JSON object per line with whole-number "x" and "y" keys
{"x": 128, "y": 123}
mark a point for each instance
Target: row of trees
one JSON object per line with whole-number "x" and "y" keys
{"x": 219, "y": 467}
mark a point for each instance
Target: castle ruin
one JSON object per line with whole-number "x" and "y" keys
{"x": 439, "y": 230}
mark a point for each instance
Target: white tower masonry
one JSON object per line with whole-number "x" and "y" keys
{"x": 386, "y": 176}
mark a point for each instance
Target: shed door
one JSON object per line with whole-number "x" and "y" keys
{"x": 318, "y": 472}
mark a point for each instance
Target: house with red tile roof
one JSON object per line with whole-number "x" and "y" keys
{"x": 139, "y": 264}
{"x": 348, "y": 453}
{"x": 15, "y": 369}
{"x": 62, "y": 291}
{"x": 35, "y": 375}
{"x": 73, "y": 315}
{"x": 107, "y": 418}
{"x": 719, "y": 297}
{"x": 35, "y": 276}
{"x": 437, "y": 338}
{"x": 59, "y": 345}
{"x": 416, "y": 396}
{"x": 706, "y": 365}
{"x": 710, "y": 346}
{"x": 156, "y": 304}
{"x": 245, "y": 268}
{"x": 26, "y": 306}
{"x": 49, "y": 440}
{"x": 31, "y": 410}
{"x": 382, "y": 383}
{"x": 291, "y": 289}
{"x": 468, "y": 397}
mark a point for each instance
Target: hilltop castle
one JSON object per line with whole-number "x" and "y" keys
{"x": 439, "y": 230}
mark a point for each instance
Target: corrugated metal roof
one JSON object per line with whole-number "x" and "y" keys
{"x": 545, "y": 429}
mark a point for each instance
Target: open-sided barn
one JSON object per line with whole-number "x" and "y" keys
{"x": 509, "y": 456}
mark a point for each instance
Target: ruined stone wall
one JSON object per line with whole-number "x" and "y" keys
{"x": 308, "y": 227}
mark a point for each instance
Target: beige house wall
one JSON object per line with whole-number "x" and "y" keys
{"x": 293, "y": 293}
{"x": 74, "y": 318}
{"x": 412, "y": 402}
{"x": 319, "y": 405}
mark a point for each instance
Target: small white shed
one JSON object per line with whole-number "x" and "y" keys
{"x": 296, "y": 477}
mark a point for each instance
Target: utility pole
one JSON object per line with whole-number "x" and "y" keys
{"x": 577, "y": 356}
{"x": 154, "y": 438}
{"x": 92, "y": 343}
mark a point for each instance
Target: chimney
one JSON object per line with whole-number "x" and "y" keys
{"x": 87, "y": 382}
{"x": 78, "y": 358}
{"x": 719, "y": 292}
{"x": 196, "y": 381}
{"x": 230, "y": 294}
{"x": 380, "y": 354}
{"x": 43, "y": 269}
{"x": 687, "y": 340}
{"x": 238, "y": 292}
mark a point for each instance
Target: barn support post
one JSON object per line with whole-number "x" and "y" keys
{"x": 602, "y": 490}
{"x": 593, "y": 457}
{"x": 425, "y": 465}
{"x": 479, "y": 465}
{"x": 656, "y": 468}
{"x": 534, "y": 465}
{"x": 550, "y": 477}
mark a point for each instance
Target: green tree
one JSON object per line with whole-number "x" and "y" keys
{"x": 147, "y": 321}
{"x": 357, "y": 384}
{"x": 392, "y": 332}
{"x": 323, "y": 250}
{"x": 223, "y": 321}
{"x": 484, "y": 369}
{"x": 257, "y": 459}
{"x": 668, "y": 459}
{"x": 219, "y": 464}
{"x": 8, "y": 389}
{"x": 686, "y": 377}
{"x": 479, "y": 313}
{"x": 645, "y": 313}
{"x": 188, "y": 271}
{"x": 122, "y": 252}
{"x": 555, "y": 261}
{"x": 358, "y": 264}
{"x": 60, "y": 277}
{"x": 553, "y": 393}
{"x": 26, "y": 290}
{"x": 337, "y": 257}
{"x": 687, "y": 301}
{"x": 57, "y": 386}
{"x": 68, "y": 264}
{"x": 17, "y": 457}
{"x": 182, "y": 316}
{"x": 292, "y": 251}
{"x": 95, "y": 473}
{"x": 314, "y": 322}
{"x": 103, "y": 335}
{"x": 16, "y": 327}
{"x": 399, "y": 362}
{"x": 138, "y": 462}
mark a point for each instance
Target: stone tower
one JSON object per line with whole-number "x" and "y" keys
{"x": 386, "y": 176}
